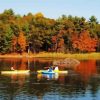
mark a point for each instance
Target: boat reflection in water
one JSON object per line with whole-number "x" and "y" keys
{"x": 16, "y": 77}
{"x": 54, "y": 76}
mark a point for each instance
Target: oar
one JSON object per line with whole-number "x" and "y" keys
{"x": 46, "y": 67}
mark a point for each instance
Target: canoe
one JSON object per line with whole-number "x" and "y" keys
{"x": 15, "y": 72}
{"x": 53, "y": 72}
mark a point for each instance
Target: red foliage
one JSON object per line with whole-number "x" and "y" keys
{"x": 22, "y": 41}
{"x": 84, "y": 42}
{"x": 54, "y": 39}
{"x": 58, "y": 42}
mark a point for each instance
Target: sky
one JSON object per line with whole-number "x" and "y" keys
{"x": 54, "y": 8}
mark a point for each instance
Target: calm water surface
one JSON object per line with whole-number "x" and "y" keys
{"x": 81, "y": 82}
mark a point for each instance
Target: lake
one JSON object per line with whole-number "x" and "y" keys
{"x": 81, "y": 82}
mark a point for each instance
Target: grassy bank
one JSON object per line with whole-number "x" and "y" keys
{"x": 62, "y": 55}
{"x": 54, "y": 55}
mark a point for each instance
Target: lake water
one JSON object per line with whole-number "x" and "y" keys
{"x": 81, "y": 82}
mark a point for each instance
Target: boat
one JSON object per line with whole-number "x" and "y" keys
{"x": 15, "y": 72}
{"x": 52, "y": 72}
{"x": 47, "y": 72}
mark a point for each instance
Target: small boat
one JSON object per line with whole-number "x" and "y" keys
{"x": 47, "y": 72}
{"x": 61, "y": 72}
{"x": 52, "y": 72}
{"x": 15, "y": 72}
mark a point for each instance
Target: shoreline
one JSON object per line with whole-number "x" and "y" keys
{"x": 53, "y": 55}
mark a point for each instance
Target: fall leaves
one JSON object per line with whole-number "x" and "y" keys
{"x": 22, "y": 41}
{"x": 57, "y": 43}
{"x": 19, "y": 41}
{"x": 36, "y": 33}
{"x": 84, "y": 42}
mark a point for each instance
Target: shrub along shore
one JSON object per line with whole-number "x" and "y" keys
{"x": 53, "y": 55}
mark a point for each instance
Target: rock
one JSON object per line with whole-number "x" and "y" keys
{"x": 68, "y": 62}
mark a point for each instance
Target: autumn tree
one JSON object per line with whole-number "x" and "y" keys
{"x": 58, "y": 42}
{"x": 41, "y": 33}
{"x": 39, "y": 15}
{"x": 84, "y": 42}
{"x": 14, "y": 43}
{"x": 22, "y": 42}
{"x": 54, "y": 43}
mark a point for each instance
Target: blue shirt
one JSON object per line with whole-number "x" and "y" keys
{"x": 50, "y": 69}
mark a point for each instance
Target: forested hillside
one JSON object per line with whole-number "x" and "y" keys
{"x": 35, "y": 33}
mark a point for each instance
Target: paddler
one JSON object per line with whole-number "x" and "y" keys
{"x": 50, "y": 69}
{"x": 56, "y": 69}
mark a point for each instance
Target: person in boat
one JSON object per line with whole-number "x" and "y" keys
{"x": 56, "y": 69}
{"x": 12, "y": 69}
{"x": 50, "y": 69}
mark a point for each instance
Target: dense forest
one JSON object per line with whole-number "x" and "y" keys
{"x": 36, "y": 33}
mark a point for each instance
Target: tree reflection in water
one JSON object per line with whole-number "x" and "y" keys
{"x": 86, "y": 69}
{"x": 81, "y": 80}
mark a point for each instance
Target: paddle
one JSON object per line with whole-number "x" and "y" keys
{"x": 49, "y": 67}
{"x": 46, "y": 67}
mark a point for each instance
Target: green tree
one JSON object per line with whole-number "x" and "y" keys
{"x": 5, "y": 39}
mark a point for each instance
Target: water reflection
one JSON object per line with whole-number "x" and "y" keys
{"x": 48, "y": 76}
{"x": 86, "y": 69}
{"x": 25, "y": 63}
{"x": 82, "y": 82}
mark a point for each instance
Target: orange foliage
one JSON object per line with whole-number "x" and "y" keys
{"x": 14, "y": 42}
{"x": 84, "y": 42}
{"x": 54, "y": 39}
{"x": 61, "y": 42}
{"x": 58, "y": 42}
{"x": 22, "y": 41}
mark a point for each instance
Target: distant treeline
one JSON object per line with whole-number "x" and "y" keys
{"x": 35, "y": 33}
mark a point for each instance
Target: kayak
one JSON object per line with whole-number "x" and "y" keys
{"x": 15, "y": 72}
{"x": 52, "y": 72}
{"x": 47, "y": 72}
